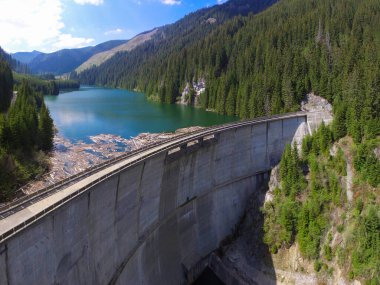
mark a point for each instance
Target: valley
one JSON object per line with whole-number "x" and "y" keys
{"x": 277, "y": 197}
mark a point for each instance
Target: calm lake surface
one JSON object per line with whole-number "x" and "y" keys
{"x": 93, "y": 111}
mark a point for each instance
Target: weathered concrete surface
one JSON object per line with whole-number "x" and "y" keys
{"x": 153, "y": 221}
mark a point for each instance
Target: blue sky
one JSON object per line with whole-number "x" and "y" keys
{"x": 49, "y": 25}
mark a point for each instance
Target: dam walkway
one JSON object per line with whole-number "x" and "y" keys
{"x": 147, "y": 216}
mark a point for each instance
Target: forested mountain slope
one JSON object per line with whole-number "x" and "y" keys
{"x": 101, "y": 57}
{"x": 327, "y": 208}
{"x": 264, "y": 64}
{"x": 13, "y": 63}
{"x": 6, "y": 85}
{"x": 66, "y": 60}
{"x": 26, "y": 133}
{"x": 26, "y": 57}
{"x": 44, "y": 84}
{"x": 126, "y": 69}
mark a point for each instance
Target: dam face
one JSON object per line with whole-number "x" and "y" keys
{"x": 153, "y": 221}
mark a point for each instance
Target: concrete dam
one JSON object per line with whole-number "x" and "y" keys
{"x": 148, "y": 218}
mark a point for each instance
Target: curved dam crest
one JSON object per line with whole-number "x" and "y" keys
{"x": 151, "y": 218}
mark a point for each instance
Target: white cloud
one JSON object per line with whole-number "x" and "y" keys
{"x": 67, "y": 40}
{"x": 171, "y": 2}
{"x": 91, "y": 2}
{"x": 113, "y": 32}
{"x": 34, "y": 24}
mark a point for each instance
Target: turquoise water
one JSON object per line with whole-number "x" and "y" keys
{"x": 92, "y": 111}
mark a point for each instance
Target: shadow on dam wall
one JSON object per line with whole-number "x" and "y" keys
{"x": 152, "y": 221}
{"x": 243, "y": 257}
{"x": 208, "y": 277}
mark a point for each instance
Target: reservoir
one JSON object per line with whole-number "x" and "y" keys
{"x": 93, "y": 111}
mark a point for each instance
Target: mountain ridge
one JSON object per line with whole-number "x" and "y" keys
{"x": 101, "y": 57}
{"x": 26, "y": 57}
{"x": 174, "y": 37}
{"x": 64, "y": 60}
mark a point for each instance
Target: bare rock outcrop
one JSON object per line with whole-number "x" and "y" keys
{"x": 318, "y": 109}
{"x": 191, "y": 93}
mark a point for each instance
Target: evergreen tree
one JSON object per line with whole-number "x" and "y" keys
{"x": 45, "y": 129}
{"x": 254, "y": 67}
{"x": 6, "y": 85}
{"x": 24, "y": 129}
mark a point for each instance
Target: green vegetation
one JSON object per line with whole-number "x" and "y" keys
{"x": 66, "y": 60}
{"x": 367, "y": 164}
{"x": 6, "y": 85}
{"x": 26, "y": 128}
{"x": 46, "y": 85}
{"x": 26, "y": 131}
{"x": 366, "y": 248}
{"x": 302, "y": 211}
{"x": 13, "y": 64}
{"x": 266, "y": 63}
{"x": 256, "y": 65}
{"x": 159, "y": 66}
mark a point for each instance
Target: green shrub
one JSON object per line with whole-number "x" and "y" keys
{"x": 317, "y": 266}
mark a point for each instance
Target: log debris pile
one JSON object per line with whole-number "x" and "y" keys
{"x": 70, "y": 158}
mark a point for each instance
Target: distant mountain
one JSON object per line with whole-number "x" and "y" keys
{"x": 102, "y": 57}
{"x": 133, "y": 69}
{"x": 26, "y": 57}
{"x": 67, "y": 60}
{"x": 192, "y": 27}
{"x": 13, "y": 63}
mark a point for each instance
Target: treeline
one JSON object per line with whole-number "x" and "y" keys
{"x": 66, "y": 84}
{"x": 14, "y": 64}
{"x": 6, "y": 85}
{"x": 26, "y": 133}
{"x": 127, "y": 69}
{"x": 306, "y": 211}
{"x": 45, "y": 84}
{"x": 266, "y": 63}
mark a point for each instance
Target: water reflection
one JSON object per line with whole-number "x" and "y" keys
{"x": 92, "y": 111}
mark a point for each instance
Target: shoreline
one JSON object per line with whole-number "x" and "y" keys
{"x": 69, "y": 158}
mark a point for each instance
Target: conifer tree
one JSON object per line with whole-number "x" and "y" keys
{"x": 45, "y": 128}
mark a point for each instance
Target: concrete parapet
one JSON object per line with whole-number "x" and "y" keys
{"x": 153, "y": 221}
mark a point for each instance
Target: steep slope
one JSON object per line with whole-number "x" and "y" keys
{"x": 45, "y": 86}
{"x": 26, "y": 135}
{"x": 13, "y": 63}
{"x": 266, "y": 63}
{"x": 67, "y": 60}
{"x": 6, "y": 86}
{"x": 102, "y": 57}
{"x": 26, "y": 57}
{"x": 312, "y": 213}
{"x": 124, "y": 69}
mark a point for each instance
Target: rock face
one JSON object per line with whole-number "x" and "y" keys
{"x": 248, "y": 256}
{"x": 148, "y": 219}
{"x": 314, "y": 103}
{"x": 274, "y": 182}
{"x": 302, "y": 131}
{"x": 377, "y": 152}
{"x": 191, "y": 93}
{"x": 211, "y": 21}
{"x": 319, "y": 109}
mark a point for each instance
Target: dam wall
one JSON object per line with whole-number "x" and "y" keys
{"x": 149, "y": 220}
